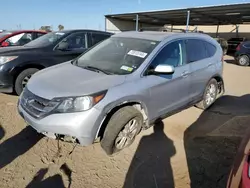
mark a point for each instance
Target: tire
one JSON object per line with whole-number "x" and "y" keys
{"x": 224, "y": 51}
{"x": 26, "y": 74}
{"x": 243, "y": 60}
{"x": 204, "y": 103}
{"x": 117, "y": 125}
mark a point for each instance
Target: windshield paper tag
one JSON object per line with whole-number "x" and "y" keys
{"x": 126, "y": 68}
{"x": 137, "y": 53}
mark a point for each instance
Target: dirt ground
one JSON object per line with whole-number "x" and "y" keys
{"x": 190, "y": 149}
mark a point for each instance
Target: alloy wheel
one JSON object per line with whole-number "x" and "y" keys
{"x": 127, "y": 134}
{"x": 25, "y": 80}
{"x": 210, "y": 94}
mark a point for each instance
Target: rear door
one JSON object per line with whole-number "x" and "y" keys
{"x": 77, "y": 44}
{"x": 202, "y": 65}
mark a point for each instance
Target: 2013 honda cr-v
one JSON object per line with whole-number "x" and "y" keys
{"x": 123, "y": 85}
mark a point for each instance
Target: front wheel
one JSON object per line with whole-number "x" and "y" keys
{"x": 122, "y": 129}
{"x": 209, "y": 96}
{"x": 23, "y": 78}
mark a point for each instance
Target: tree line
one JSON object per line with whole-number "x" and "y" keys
{"x": 49, "y": 28}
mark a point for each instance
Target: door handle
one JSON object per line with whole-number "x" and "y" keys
{"x": 185, "y": 74}
{"x": 209, "y": 64}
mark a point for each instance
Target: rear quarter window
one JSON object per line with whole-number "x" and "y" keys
{"x": 211, "y": 49}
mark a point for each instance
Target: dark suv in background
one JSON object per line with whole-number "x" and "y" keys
{"x": 234, "y": 42}
{"x": 242, "y": 54}
{"x": 18, "y": 64}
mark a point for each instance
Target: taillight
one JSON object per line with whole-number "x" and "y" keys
{"x": 238, "y": 47}
{"x": 222, "y": 59}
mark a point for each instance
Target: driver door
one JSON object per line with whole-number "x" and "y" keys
{"x": 169, "y": 92}
{"x": 77, "y": 43}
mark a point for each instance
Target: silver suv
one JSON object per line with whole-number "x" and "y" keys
{"x": 123, "y": 85}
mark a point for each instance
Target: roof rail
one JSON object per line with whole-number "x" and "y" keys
{"x": 168, "y": 29}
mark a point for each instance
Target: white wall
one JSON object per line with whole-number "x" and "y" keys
{"x": 225, "y": 31}
{"x": 114, "y": 25}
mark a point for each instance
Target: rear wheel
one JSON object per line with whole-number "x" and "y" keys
{"x": 210, "y": 95}
{"x": 23, "y": 78}
{"x": 122, "y": 129}
{"x": 244, "y": 60}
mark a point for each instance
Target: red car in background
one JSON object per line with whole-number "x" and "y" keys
{"x": 18, "y": 38}
{"x": 240, "y": 173}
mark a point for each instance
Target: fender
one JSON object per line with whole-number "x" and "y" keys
{"x": 116, "y": 105}
{"x": 222, "y": 86}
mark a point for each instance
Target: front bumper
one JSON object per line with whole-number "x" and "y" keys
{"x": 81, "y": 125}
{"x": 6, "y": 81}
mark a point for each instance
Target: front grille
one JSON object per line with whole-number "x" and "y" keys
{"x": 34, "y": 105}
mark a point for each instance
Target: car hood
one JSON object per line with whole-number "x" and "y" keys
{"x": 15, "y": 50}
{"x": 65, "y": 80}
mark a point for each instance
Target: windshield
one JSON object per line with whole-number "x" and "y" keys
{"x": 117, "y": 55}
{"x": 4, "y": 34}
{"x": 46, "y": 40}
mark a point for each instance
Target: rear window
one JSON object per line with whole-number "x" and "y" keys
{"x": 246, "y": 45}
{"x": 211, "y": 49}
{"x": 40, "y": 34}
{"x": 98, "y": 37}
{"x": 196, "y": 50}
{"x": 4, "y": 34}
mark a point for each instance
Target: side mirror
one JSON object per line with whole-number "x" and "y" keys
{"x": 4, "y": 44}
{"x": 62, "y": 46}
{"x": 164, "y": 69}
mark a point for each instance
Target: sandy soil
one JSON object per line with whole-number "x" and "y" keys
{"x": 190, "y": 149}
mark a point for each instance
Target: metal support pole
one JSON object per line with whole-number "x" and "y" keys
{"x": 188, "y": 17}
{"x": 105, "y": 24}
{"x": 237, "y": 31}
{"x": 137, "y": 22}
{"x": 217, "y": 30}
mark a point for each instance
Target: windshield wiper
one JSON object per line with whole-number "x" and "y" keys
{"x": 96, "y": 69}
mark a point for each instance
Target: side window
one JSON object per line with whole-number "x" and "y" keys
{"x": 211, "y": 49}
{"x": 19, "y": 39}
{"x": 195, "y": 50}
{"x": 76, "y": 41}
{"x": 97, "y": 37}
{"x": 172, "y": 54}
{"x": 39, "y": 34}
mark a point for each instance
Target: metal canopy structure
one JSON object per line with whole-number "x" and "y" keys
{"x": 231, "y": 14}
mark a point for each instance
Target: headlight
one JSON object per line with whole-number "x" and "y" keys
{"x": 6, "y": 59}
{"x": 78, "y": 104}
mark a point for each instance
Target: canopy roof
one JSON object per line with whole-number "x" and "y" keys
{"x": 210, "y": 15}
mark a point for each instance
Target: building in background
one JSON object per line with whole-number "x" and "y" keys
{"x": 224, "y": 21}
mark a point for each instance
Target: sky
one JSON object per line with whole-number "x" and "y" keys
{"x": 89, "y": 14}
